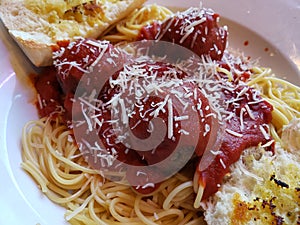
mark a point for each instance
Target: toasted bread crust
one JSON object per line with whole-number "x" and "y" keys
{"x": 40, "y": 54}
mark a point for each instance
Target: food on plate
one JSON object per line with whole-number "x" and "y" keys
{"x": 268, "y": 192}
{"x": 131, "y": 27}
{"x": 102, "y": 98}
{"x": 37, "y": 26}
{"x": 197, "y": 31}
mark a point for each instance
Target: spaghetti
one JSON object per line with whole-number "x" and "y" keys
{"x": 129, "y": 28}
{"x": 52, "y": 158}
{"x": 57, "y": 165}
{"x": 283, "y": 95}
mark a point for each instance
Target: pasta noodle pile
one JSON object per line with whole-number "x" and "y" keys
{"x": 52, "y": 158}
{"x": 283, "y": 95}
{"x": 55, "y": 162}
{"x": 128, "y": 29}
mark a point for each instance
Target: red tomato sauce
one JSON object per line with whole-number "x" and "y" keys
{"x": 253, "y": 132}
{"x": 245, "y": 127}
{"x": 193, "y": 29}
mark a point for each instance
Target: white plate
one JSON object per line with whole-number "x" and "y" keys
{"x": 268, "y": 24}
